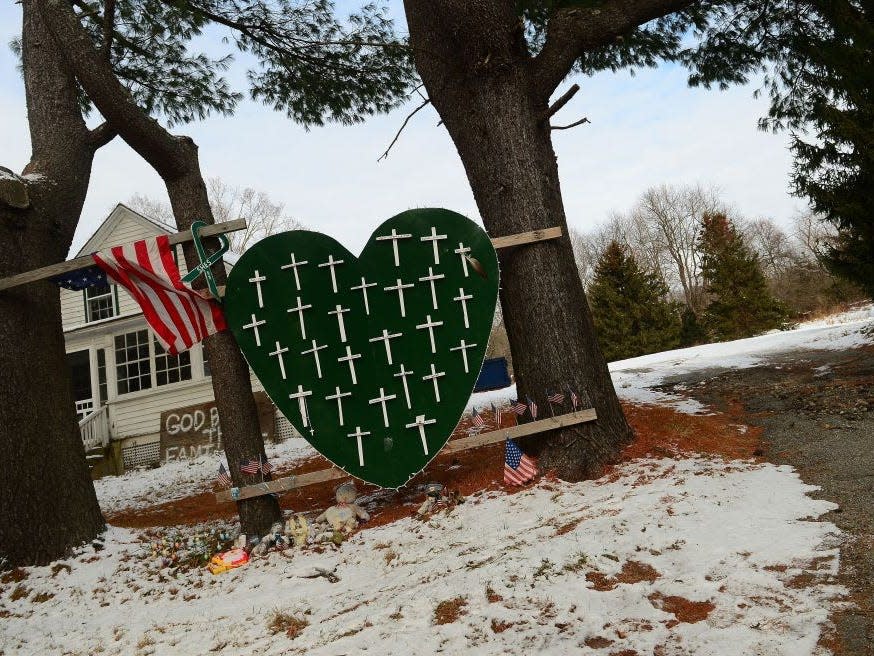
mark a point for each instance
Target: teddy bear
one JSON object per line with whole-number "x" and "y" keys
{"x": 345, "y": 515}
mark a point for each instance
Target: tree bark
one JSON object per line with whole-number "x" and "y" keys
{"x": 473, "y": 60}
{"x": 47, "y": 500}
{"x": 175, "y": 159}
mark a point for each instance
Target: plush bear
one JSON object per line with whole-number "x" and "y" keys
{"x": 298, "y": 530}
{"x": 345, "y": 515}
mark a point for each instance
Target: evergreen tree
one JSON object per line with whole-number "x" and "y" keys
{"x": 629, "y": 307}
{"x": 741, "y": 303}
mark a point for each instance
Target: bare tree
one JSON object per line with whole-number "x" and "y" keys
{"x": 813, "y": 234}
{"x": 774, "y": 247}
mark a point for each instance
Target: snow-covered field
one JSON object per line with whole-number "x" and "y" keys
{"x": 667, "y": 557}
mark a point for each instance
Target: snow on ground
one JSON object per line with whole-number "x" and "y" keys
{"x": 177, "y": 480}
{"x": 688, "y": 557}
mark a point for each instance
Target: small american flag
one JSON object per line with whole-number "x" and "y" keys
{"x": 532, "y": 408}
{"x": 178, "y": 315}
{"x": 518, "y": 407}
{"x": 224, "y": 478}
{"x": 558, "y": 397}
{"x": 250, "y": 466}
{"x": 518, "y": 468}
{"x": 497, "y": 414}
{"x": 477, "y": 419}
{"x": 575, "y": 400}
{"x": 266, "y": 467}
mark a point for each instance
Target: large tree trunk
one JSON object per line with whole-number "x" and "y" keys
{"x": 47, "y": 499}
{"x": 473, "y": 61}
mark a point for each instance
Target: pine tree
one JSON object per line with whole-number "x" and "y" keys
{"x": 741, "y": 303}
{"x": 629, "y": 307}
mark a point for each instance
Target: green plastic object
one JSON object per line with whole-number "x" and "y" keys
{"x": 206, "y": 261}
{"x": 371, "y": 358}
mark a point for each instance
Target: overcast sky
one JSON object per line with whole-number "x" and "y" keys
{"x": 645, "y": 130}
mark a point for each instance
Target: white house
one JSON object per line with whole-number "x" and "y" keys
{"x": 122, "y": 378}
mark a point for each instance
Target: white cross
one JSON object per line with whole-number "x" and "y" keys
{"x": 358, "y": 434}
{"x": 363, "y": 287}
{"x": 399, "y": 288}
{"x": 434, "y": 238}
{"x": 462, "y": 250}
{"x": 386, "y": 337}
{"x": 433, "y": 377}
{"x": 299, "y": 309}
{"x": 332, "y": 263}
{"x": 349, "y": 357}
{"x": 258, "y": 279}
{"x": 315, "y": 351}
{"x": 301, "y": 395}
{"x": 403, "y": 376}
{"x": 430, "y": 325}
{"x": 278, "y": 353}
{"x": 420, "y": 423}
{"x": 339, "y": 311}
{"x": 394, "y": 236}
{"x": 464, "y": 299}
{"x": 430, "y": 278}
{"x": 462, "y": 346}
{"x": 255, "y": 325}
{"x": 381, "y": 399}
{"x": 293, "y": 265}
{"x": 338, "y": 395}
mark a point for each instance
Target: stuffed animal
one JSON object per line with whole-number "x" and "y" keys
{"x": 298, "y": 530}
{"x": 345, "y": 515}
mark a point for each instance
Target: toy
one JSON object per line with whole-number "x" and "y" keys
{"x": 298, "y": 529}
{"x": 345, "y": 515}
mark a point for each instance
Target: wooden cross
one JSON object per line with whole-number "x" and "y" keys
{"x": 399, "y": 288}
{"x": 462, "y": 346}
{"x": 301, "y": 395}
{"x": 434, "y": 238}
{"x": 463, "y": 299}
{"x": 293, "y": 265}
{"x": 394, "y": 236}
{"x": 363, "y": 287}
{"x": 462, "y": 251}
{"x": 258, "y": 279}
{"x": 315, "y": 351}
{"x": 339, "y": 311}
{"x": 350, "y": 357}
{"x": 433, "y": 378}
{"x": 332, "y": 263}
{"x": 386, "y": 337}
{"x": 358, "y": 434}
{"x": 338, "y": 396}
{"x": 254, "y": 325}
{"x": 430, "y": 278}
{"x": 402, "y": 374}
{"x": 420, "y": 423}
{"x": 430, "y": 325}
{"x": 381, "y": 399}
{"x": 299, "y": 309}
{"x": 278, "y": 353}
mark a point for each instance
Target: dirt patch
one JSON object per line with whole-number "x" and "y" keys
{"x": 290, "y": 625}
{"x": 450, "y": 610}
{"x": 598, "y": 642}
{"x": 631, "y": 572}
{"x": 685, "y": 610}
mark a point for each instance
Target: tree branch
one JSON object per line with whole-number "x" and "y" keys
{"x": 561, "y": 102}
{"x": 403, "y": 125}
{"x": 108, "y": 28}
{"x": 571, "y": 125}
{"x": 573, "y": 30}
{"x": 101, "y": 135}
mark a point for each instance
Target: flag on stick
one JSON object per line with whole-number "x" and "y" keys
{"x": 266, "y": 467}
{"x": 224, "y": 478}
{"x": 518, "y": 468}
{"x": 518, "y": 407}
{"x": 575, "y": 400}
{"x": 250, "y": 466}
{"x": 178, "y": 315}
{"x": 497, "y": 414}
{"x": 477, "y": 419}
{"x": 558, "y": 397}
{"x": 532, "y": 407}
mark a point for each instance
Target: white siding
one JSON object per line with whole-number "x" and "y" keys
{"x": 72, "y": 308}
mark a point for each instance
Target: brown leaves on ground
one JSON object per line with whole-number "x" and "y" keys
{"x": 450, "y": 610}
{"x": 631, "y": 572}
{"x": 290, "y": 625}
{"x": 683, "y": 609}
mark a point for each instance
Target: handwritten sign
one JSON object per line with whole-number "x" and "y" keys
{"x": 195, "y": 430}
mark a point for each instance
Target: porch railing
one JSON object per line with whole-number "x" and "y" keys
{"x": 95, "y": 429}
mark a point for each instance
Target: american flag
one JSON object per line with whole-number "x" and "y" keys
{"x": 80, "y": 279}
{"x": 266, "y": 467}
{"x": 532, "y": 408}
{"x": 250, "y": 466}
{"x": 224, "y": 478}
{"x": 497, "y": 414}
{"x": 518, "y": 407}
{"x": 575, "y": 400}
{"x": 558, "y": 397}
{"x": 477, "y": 418}
{"x": 518, "y": 468}
{"x": 178, "y": 315}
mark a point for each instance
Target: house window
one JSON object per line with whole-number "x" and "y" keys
{"x": 171, "y": 368}
{"x": 100, "y": 303}
{"x": 133, "y": 362}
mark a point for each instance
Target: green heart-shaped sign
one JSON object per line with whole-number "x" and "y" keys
{"x": 372, "y": 359}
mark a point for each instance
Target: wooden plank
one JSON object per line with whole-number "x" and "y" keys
{"x": 531, "y": 428}
{"x": 87, "y": 261}
{"x": 526, "y": 237}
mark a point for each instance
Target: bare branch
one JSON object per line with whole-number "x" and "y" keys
{"x": 571, "y": 125}
{"x": 108, "y": 29}
{"x": 561, "y": 102}
{"x": 403, "y": 125}
{"x": 101, "y": 135}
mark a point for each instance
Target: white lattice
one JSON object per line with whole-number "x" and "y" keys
{"x": 141, "y": 455}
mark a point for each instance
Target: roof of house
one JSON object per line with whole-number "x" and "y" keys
{"x": 109, "y": 224}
